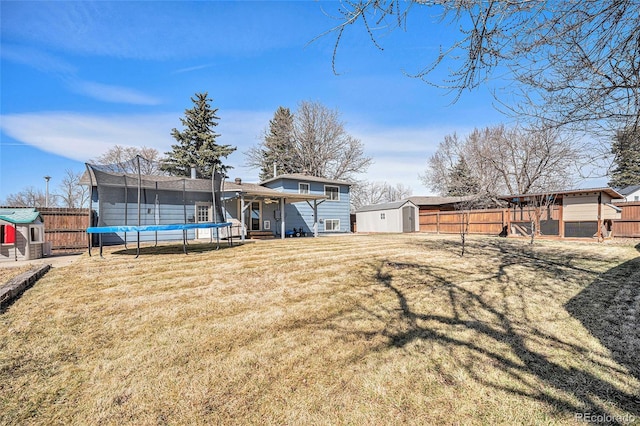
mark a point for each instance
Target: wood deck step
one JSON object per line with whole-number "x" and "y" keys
{"x": 261, "y": 235}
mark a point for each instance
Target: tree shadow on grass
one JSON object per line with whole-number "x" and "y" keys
{"x": 473, "y": 307}
{"x": 610, "y": 309}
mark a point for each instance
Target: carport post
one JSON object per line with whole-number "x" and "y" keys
{"x": 242, "y": 208}
{"x": 282, "y": 224}
{"x": 315, "y": 218}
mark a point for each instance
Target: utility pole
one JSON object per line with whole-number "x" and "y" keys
{"x": 46, "y": 199}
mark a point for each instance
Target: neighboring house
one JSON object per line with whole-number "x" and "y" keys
{"x": 332, "y": 202}
{"x": 21, "y": 234}
{"x": 630, "y": 193}
{"x": 396, "y": 217}
{"x": 254, "y": 209}
{"x": 578, "y": 213}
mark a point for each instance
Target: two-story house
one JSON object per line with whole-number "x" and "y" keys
{"x": 331, "y": 213}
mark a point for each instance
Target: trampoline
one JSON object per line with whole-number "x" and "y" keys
{"x": 123, "y": 195}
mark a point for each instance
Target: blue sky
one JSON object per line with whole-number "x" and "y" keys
{"x": 80, "y": 77}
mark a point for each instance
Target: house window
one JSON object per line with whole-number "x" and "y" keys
{"x": 331, "y": 225}
{"x": 303, "y": 188}
{"x": 36, "y": 234}
{"x": 332, "y": 192}
{"x": 382, "y": 216}
{"x": 636, "y": 198}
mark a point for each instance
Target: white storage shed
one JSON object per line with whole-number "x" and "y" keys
{"x": 396, "y": 217}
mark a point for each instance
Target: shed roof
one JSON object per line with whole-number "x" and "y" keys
{"x": 19, "y": 215}
{"x": 384, "y": 206}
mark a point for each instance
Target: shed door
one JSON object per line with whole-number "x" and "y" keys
{"x": 408, "y": 219}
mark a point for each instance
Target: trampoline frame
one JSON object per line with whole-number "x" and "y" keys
{"x": 184, "y": 227}
{"x": 155, "y": 228}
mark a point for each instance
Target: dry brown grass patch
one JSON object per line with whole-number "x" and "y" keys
{"x": 350, "y": 330}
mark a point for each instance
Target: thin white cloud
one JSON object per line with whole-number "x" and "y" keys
{"x": 399, "y": 154}
{"x": 155, "y": 30}
{"x": 407, "y": 140}
{"x": 190, "y": 69}
{"x": 85, "y": 136}
{"x": 399, "y": 170}
{"x": 111, "y": 93}
{"x": 51, "y": 64}
{"x": 35, "y": 58}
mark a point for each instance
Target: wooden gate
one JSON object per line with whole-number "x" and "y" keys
{"x": 628, "y": 226}
{"x": 65, "y": 229}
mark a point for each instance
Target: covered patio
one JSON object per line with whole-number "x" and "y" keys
{"x": 257, "y": 206}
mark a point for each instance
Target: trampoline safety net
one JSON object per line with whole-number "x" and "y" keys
{"x": 137, "y": 201}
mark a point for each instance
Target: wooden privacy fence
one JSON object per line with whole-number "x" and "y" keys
{"x": 494, "y": 221}
{"x": 628, "y": 226}
{"x": 450, "y": 222}
{"x": 65, "y": 229}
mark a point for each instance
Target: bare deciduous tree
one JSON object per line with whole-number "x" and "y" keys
{"x": 29, "y": 197}
{"x": 539, "y": 209}
{"x": 323, "y": 146}
{"x": 319, "y": 146}
{"x": 120, "y": 159}
{"x": 70, "y": 193}
{"x": 506, "y": 161}
{"x": 571, "y": 62}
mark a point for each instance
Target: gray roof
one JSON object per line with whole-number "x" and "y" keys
{"x": 175, "y": 183}
{"x": 263, "y": 191}
{"x": 383, "y": 206}
{"x": 439, "y": 201}
{"x": 118, "y": 179}
{"x": 629, "y": 189}
{"x": 306, "y": 178}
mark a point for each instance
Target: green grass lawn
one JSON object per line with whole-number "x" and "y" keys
{"x": 384, "y": 329}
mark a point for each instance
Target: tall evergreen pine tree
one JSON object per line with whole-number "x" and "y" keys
{"x": 197, "y": 142}
{"x": 278, "y": 145}
{"x": 626, "y": 151}
{"x": 461, "y": 180}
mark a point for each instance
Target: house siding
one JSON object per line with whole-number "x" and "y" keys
{"x": 111, "y": 209}
{"x": 580, "y": 208}
{"x": 171, "y": 210}
{"x": 300, "y": 215}
{"x": 577, "y": 208}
